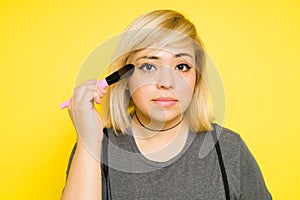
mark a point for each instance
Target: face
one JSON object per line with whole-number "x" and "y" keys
{"x": 163, "y": 82}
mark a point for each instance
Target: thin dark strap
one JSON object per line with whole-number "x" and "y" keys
{"x": 105, "y": 153}
{"x": 105, "y": 161}
{"x": 221, "y": 163}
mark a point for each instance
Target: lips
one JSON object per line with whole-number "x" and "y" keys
{"x": 165, "y": 101}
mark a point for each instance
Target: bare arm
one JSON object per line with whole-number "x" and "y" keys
{"x": 84, "y": 179}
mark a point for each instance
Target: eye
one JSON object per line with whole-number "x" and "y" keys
{"x": 147, "y": 67}
{"x": 183, "y": 67}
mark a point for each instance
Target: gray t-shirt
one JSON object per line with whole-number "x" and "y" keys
{"x": 193, "y": 174}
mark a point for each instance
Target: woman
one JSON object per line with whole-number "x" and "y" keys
{"x": 155, "y": 131}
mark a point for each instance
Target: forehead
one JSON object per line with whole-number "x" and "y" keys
{"x": 186, "y": 52}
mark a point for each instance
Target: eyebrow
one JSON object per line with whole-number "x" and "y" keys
{"x": 182, "y": 54}
{"x": 157, "y": 58}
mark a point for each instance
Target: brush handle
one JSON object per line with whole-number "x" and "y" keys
{"x": 101, "y": 83}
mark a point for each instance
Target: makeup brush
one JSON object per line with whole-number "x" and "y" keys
{"x": 124, "y": 72}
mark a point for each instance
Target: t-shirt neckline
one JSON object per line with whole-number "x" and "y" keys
{"x": 189, "y": 140}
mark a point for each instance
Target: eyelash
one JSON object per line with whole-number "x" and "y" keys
{"x": 143, "y": 67}
{"x": 185, "y": 65}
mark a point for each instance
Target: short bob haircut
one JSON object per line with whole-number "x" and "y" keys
{"x": 157, "y": 29}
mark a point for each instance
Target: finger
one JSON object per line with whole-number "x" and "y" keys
{"x": 89, "y": 96}
{"x": 103, "y": 90}
{"x": 81, "y": 90}
{"x": 97, "y": 99}
{"x": 97, "y": 96}
{"x": 100, "y": 94}
{"x": 86, "y": 102}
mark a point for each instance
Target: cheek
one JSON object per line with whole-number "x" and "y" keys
{"x": 141, "y": 98}
{"x": 139, "y": 90}
{"x": 136, "y": 82}
{"x": 185, "y": 90}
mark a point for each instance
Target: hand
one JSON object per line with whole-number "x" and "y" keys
{"x": 85, "y": 118}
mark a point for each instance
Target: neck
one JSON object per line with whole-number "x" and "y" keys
{"x": 156, "y": 129}
{"x": 147, "y": 130}
{"x": 161, "y": 146}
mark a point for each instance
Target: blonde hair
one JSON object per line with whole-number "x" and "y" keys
{"x": 157, "y": 29}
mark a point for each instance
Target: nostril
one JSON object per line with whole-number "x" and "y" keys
{"x": 166, "y": 82}
{"x": 165, "y": 78}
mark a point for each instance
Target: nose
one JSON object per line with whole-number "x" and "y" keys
{"x": 166, "y": 79}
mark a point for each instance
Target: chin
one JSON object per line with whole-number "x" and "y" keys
{"x": 165, "y": 115}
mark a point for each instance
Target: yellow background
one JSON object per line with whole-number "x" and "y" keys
{"x": 255, "y": 45}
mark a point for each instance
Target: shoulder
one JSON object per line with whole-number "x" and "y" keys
{"x": 244, "y": 174}
{"x": 234, "y": 150}
{"x": 227, "y": 136}
{"x": 229, "y": 140}
{"x": 231, "y": 143}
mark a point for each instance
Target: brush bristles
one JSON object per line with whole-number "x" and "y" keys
{"x": 126, "y": 69}
{"x": 124, "y": 72}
